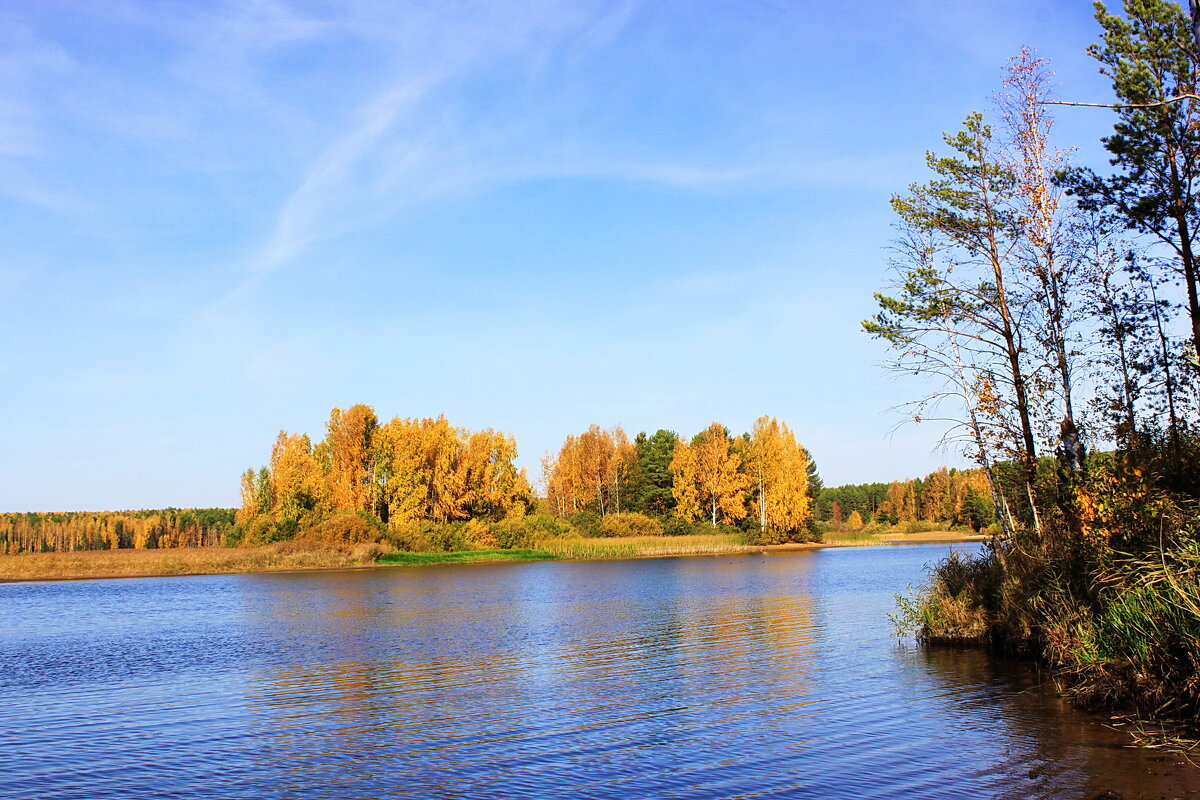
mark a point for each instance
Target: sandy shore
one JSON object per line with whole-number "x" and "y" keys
{"x": 935, "y": 537}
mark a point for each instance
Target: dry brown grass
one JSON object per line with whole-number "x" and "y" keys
{"x": 278, "y": 557}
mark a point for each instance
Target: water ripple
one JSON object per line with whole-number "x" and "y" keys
{"x": 735, "y": 677}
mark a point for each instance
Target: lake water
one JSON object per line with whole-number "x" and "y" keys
{"x": 744, "y": 676}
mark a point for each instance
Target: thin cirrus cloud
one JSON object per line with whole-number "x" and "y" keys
{"x": 240, "y": 213}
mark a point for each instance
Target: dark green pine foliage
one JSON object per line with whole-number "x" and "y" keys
{"x": 815, "y": 484}
{"x": 865, "y": 498}
{"x": 653, "y": 492}
{"x": 978, "y": 510}
{"x": 1151, "y": 56}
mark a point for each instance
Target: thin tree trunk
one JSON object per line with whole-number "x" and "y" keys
{"x": 984, "y": 460}
{"x": 1008, "y": 332}
{"x": 1195, "y": 4}
{"x": 762, "y": 502}
{"x": 1185, "y": 245}
{"x": 1166, "y": 361}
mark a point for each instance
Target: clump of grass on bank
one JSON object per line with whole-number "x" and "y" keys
{"x": 1108, "y": 592}
{"x": 465, "y": 556}
{"x": 952, "y": 608}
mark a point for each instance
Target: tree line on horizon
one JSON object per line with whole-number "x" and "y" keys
{"x": 947, "y": 498}
{"x": 68, "y": 531}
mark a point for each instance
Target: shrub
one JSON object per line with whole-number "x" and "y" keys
{"x": 954, "y": 606}
{"x": 234, "y": 536}
{"x": 259, "y": 531}
{"x": 528, "y": 531}
{"x": 586, "y": 522}
{"x": 446, "y": 536}
{"x": 630, "y": 524}
{"x": 919, "y": 526}
{"x": 408, "y": 537}
{"x": 344, "y": 528}
{"x": 815, "y": 529}
{"x": 678, "y": 527}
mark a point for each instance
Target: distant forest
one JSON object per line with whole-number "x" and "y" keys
{"x": 112, "y": 530}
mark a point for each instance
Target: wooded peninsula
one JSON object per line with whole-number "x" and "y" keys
{"x": 423, "y": 485}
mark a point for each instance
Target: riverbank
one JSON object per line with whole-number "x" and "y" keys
{"x": 294, "y": 556}
{"x": 211, "y": 560}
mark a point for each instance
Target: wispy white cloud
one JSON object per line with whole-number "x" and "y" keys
{"x": 302, "y": 215}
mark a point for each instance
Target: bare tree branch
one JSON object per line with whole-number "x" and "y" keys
{"x": 1155, "y": 104}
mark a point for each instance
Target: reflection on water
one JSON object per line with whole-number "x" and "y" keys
{"x": 737, "y": 676}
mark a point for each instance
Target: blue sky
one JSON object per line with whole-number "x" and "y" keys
{"x": 222, "y": 219}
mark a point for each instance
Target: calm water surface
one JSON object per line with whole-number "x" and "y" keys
{"x": 745, "y": 676}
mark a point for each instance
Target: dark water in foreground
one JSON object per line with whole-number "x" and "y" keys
{"x": 707, "y": 677}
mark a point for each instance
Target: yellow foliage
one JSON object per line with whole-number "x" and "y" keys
{"x": 590, "y": 471}
{"x": 719, "y": 483}
{"x": 777, "y": 469}
{"x": 349, "y": 441}
{"x": 684, "y": 486}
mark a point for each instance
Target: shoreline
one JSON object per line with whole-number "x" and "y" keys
{"x": 262, "y": 561}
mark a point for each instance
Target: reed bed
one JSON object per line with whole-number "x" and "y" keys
{"x": 465, "y": 556}
{"x": 644, "y": 546}
{"x": 851, "y": 539}
{"x": 279, "y": 557}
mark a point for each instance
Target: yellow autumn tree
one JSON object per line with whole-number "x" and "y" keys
{"x": 440, "y": 449}
{"x": 937, "y": 497}
{"x": 622, "y": 466}
{"x": 494, "y": 487}
{"x": 249, "y": 494}
{"x": 590, "y": 471}
{"x": 567, "y": 487}
{"x": 295, "y": 477}
{"x": 399, "y": 466}
{"x": 348, "y": 439}
{"x": 776, "y": 467}
{"x": 900, "y": 502}
{"x": 720, "y": 485}
{"x": 684, "y": 485}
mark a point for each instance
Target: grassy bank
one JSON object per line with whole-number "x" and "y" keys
{"x": 300, "y": 555}
{"x": 465, "y": 556}
{"x": 297, "y": 555}
{"x": 1107, "y": 591}
{"x": 213, "y": 560}
{"x": 896, "y": 535}
{"x": 647, "y": 546}
{"x": 1123, "y": 630}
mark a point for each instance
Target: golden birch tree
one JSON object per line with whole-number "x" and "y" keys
{"x": 295, "y": 477}
{"x": 348, "y": 438}
{"x": 719, "y": 482}
{"x": 777, "y": 469}
{"x": 684, "y": 484}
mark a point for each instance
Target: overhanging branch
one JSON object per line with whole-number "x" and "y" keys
{"x": 1118, "y": 106}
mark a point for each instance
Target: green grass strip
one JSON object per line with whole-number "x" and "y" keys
{"x": 461, "y": 556}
